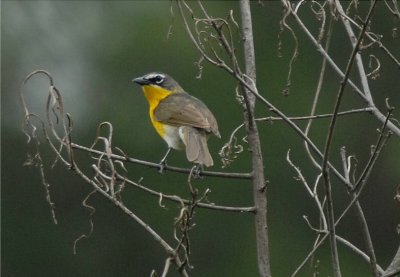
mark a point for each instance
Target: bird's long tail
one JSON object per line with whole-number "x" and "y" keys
{"x": 196, "y": 145}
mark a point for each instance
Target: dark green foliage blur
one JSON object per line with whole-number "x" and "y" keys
{"x": 93, "y": 49}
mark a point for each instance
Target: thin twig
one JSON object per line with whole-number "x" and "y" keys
{"x": 247, "y": 83}
{"x": 54, "y": 105}
{"x": 371, "y": 162}
{"x": 318, "y": 91}
{"x": 151, "y": 231}
{"x": 166, "y": 267}
{"x": 374, "y": 39}
{"x": 341, "y": 240}
{"x": 355, "y": 195}
{"x": 178, "y": 199}
{"x": 344, "y": 212}
{"x": 358, "y": 251}
{"x": 92, "y": 211}
{"x": 311, "y": 192}
{"x": 382, "y": 142}
{"x": 376, "y": 112}
{"x": 324, "y": 170}
{"x": 232, "y": 175}
{"x": 394, "y": 267}
{"x": 367, "y": 238}
{"x": 359, "y": 62}
{"x": 314, "y": 116}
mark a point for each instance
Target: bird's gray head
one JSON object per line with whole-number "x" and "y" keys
{"x": 159, "y": 79}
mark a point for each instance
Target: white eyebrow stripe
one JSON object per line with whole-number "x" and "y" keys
{"x": 154, "y": 75}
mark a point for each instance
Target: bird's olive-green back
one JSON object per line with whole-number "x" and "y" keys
{"x": 182, "y": 109}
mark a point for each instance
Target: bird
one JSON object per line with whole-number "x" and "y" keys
{"x": 182, "y": 120}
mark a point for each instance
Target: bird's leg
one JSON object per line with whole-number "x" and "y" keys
{"x": 197, "y": 171}
{"x": 163, "y": 161}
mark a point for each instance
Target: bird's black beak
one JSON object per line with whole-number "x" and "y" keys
{"x": 141, "y": 81}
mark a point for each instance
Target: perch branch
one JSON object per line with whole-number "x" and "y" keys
{"x": 232, "y": 175}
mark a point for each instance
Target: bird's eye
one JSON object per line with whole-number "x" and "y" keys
{"x": 158, "y": 79}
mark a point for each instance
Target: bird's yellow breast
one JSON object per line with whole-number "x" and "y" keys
{"x": 154, "y": 95}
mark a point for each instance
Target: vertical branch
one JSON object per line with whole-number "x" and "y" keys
{"x": 367, "y": 238}
{"x": 318, "y": 90}
{"x": 325, "y": 170}
{"x": 259, "y": 187}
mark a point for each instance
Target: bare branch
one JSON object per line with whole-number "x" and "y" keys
{"x": 367, "y": 239}
{"x": 324, "y": 169}
{"x": 356, "y": 44}
{"x": 395, "y": 9}
{"x": 311, "y": 192}
{"x": 151, "y": 231}
{"x": 375, "y": 154}
{"x": 341, "y": 240}
{"x": 284, "y": 25}
{"x": 248, "y": 83}
{"x": 92, "y": 211}
{"x": 358, "y": 251}
{"x": 375, "y": 39}
{"x": 178, "y": 199}
{"x": 259, "y": 189}
{"x": 318, "y": 91}
{"x": 330, "y": 61}
{"x": 394, "y": 267}
{"x": 355, "y": 198}
{"x": 216, "y": 41}
{"x": 314, "y": 116}
{"x": 166, "y": 267}
{"x": 232, "y": 175}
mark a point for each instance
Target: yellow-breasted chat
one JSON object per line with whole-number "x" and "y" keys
{"x": 182, "y": 120}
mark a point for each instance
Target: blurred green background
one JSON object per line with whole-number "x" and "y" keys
{"x": 93, "y": 49}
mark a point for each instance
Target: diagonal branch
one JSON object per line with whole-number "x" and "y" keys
{"x": 394, "y": 267}
{"x": 378, "y": 114}
{"x": 325, "y": 171}
{"x": 247, "y": 82}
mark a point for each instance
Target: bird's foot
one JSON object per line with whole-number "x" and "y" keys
{"x": 198, "y": 171}
{"x": 163, "y": 164}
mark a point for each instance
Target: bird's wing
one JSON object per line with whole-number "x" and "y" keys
{"x": 182, "y": 109}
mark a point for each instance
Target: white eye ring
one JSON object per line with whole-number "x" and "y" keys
{"x": 159, "y": 79}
